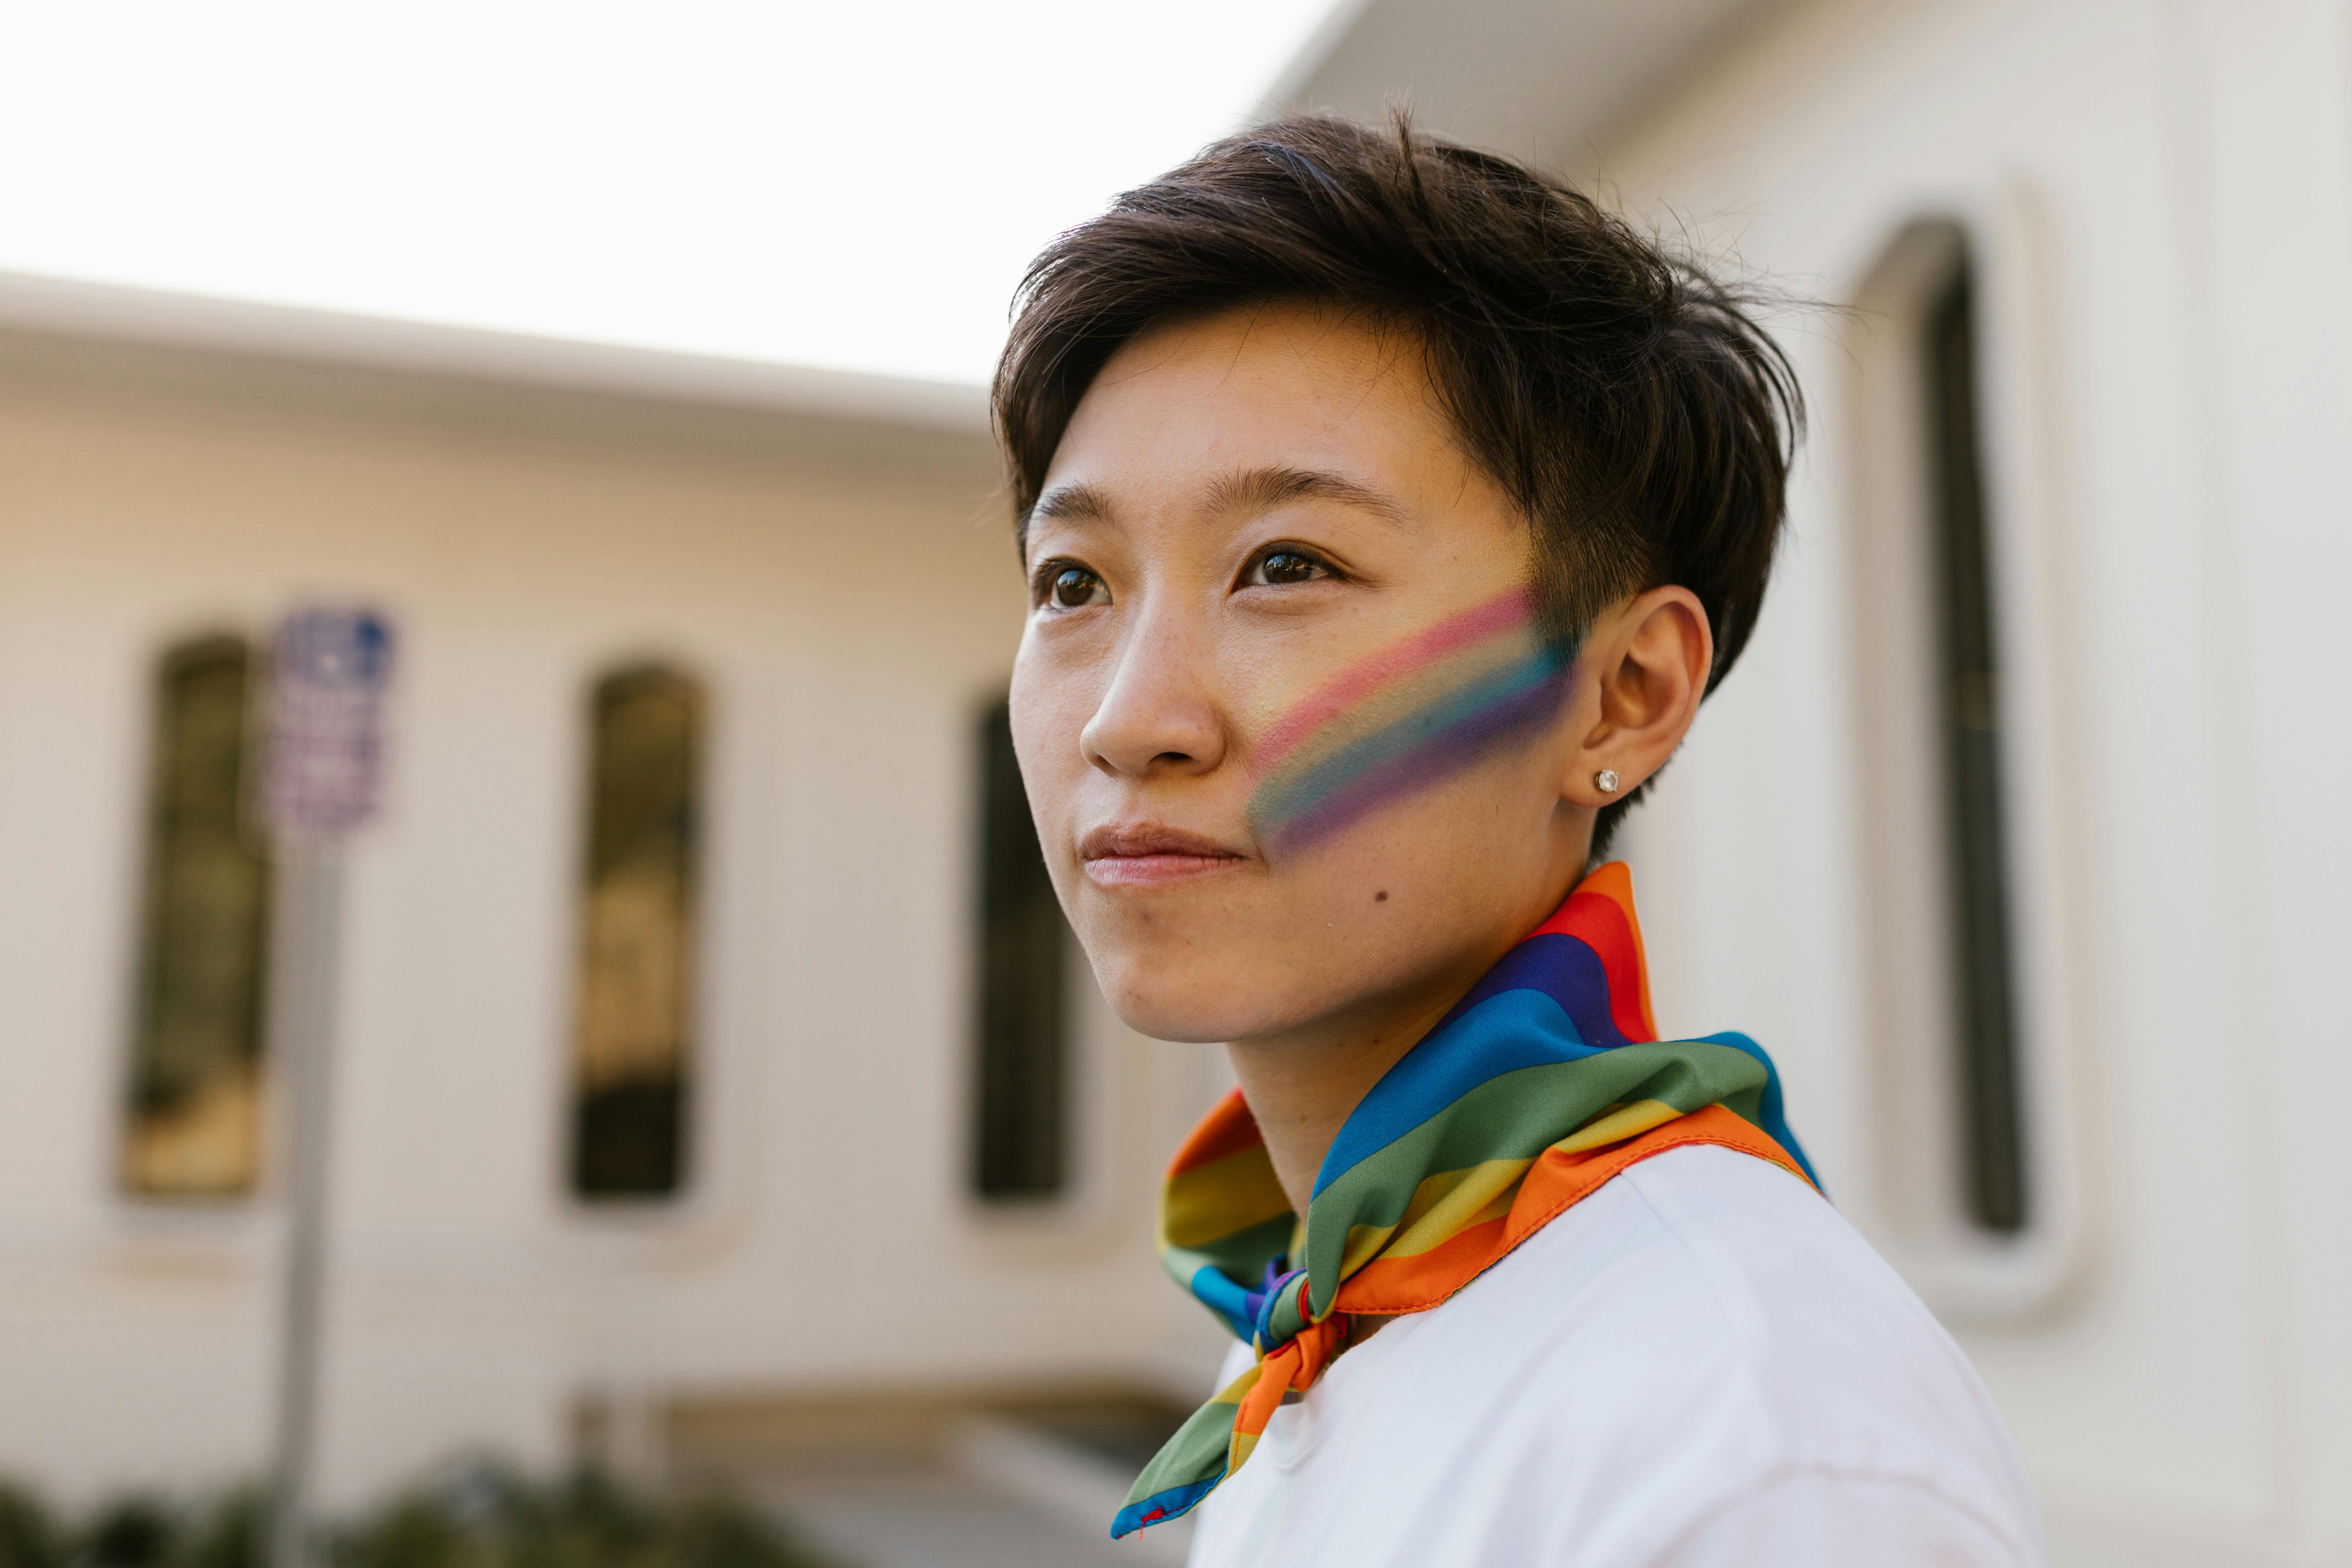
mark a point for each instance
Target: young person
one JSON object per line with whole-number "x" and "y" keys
{"x": 1389, "y": 508}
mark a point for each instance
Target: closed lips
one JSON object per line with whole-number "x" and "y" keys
{"x": 1149, "y": 852}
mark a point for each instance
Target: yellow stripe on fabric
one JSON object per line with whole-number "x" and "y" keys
{"x": 1450, "y": 1202}
{"x": 1442, "y": 1206}
{"x": 1211, "y": 1202}
{"x": 1437, "y": 1214}
{"x": 1236, "y": 1391}
{"x": 1617, "y": 1125}
{"x": 1238, "y": 1448}
{"x": 1364, "y": 1244}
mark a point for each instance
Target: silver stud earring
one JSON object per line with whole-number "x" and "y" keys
{"x": 1605, "y": 781}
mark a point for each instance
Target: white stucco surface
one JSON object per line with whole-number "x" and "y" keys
{"x": 848, "y": 595}
{"x": 2157, "y": 196}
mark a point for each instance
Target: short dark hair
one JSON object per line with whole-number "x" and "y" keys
{"x": 1623, "y": 395}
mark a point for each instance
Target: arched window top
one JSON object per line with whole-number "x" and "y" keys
{"x": 1968, "y": 800}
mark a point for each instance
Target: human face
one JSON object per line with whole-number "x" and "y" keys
{"x": 1295, "y": 754}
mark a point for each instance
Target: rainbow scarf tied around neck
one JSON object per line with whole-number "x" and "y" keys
{"x": 1542, "y": 1083}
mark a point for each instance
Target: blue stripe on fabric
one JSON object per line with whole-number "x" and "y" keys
{"x": 1519, "y": 1028}
{"x": 1546, "y": 1001}
{"x": 1769, "y": 1110}
{"x": 1175, "y": 1502}
{"x": 1564, "y": 968}
{"x": 1217, "y": 1291}
{"x": 1261, "y": 1332}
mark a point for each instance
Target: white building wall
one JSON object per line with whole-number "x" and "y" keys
{"x": 2186, "y": 171}
{"x": 2165, "y": 192}
{"x": 850, "y": 599}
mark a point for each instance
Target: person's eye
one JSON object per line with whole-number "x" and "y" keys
{"x": 1062, "y": 585}
{"x": 1282, "y": 566}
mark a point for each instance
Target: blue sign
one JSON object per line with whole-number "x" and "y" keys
{"x": 328, "y": 673}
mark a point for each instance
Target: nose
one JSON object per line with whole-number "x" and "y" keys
{"x": 1157, "y": 716}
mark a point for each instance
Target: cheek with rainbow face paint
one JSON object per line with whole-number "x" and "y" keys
{"x": 1406, "y": 718}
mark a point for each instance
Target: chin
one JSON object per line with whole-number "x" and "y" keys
{"x": 1179, "y": 1013}
{"x": 1183, "y": 1003}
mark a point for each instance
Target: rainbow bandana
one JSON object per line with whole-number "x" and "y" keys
{"x": 1542, "y": 1083}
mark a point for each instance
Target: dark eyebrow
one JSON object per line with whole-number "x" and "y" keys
{"x": 1065, "y": 503}
{"x": 1252, "y": 490}
{"x": 1262, "y": 489}
{"x": 1072, "y": 503}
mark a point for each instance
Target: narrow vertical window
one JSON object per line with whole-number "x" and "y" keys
{"x": 1019, "y": 1150}
{"x": 634, "y": 1049}
{"x": 1991, "y": 1134}
{"x": 195, "y": 1061}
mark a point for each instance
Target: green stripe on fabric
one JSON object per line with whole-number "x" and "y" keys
{"x": 1241, "y": 1256}
{"x": 1197, "y": 1452}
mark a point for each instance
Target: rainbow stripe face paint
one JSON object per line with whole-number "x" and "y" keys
{"x": 1407, "y": 717}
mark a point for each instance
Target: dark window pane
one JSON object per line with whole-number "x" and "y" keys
{"x": 634, "y": 1045}
{"x": 1020, "y": 1150}
{"x": 1993, "y": 1142}
{"x": 195, "y": 1066}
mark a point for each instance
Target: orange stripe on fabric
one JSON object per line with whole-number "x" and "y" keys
{"x": 1393, "y": 1284}
{"x": 1556, "y": 1181}
{"x": 1295, "y": 1365}
{"x": 1560, "y": 1179}
{"x": 1228, "y": 1129}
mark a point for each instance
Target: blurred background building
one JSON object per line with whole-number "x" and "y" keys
{"x": 717, "y": 1084}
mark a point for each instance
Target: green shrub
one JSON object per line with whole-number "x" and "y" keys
{"x": 233, "y": 1532}
{"x": 130, "y": 1532}
{"x": 30, "y": 1537}
{"x": 487, "y": 1516}
{"x": 470, "y": 1516}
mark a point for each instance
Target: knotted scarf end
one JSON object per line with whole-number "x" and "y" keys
{"x": 1161, "y": 1506}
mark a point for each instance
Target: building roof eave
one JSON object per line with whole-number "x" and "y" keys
{"x": 63, "y": 308}
{"x": 1539, "y": 78}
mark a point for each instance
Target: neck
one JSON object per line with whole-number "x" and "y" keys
{"x": 1302, "y": 1089}
{"x": 1302, "y": 1085}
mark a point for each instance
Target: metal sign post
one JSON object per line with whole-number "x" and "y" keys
{"x": 328, "y": 675}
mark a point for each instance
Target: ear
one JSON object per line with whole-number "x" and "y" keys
{"x": 1644, "y": 667}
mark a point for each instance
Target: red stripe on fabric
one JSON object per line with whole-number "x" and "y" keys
{"x": 1228, "y": 1129}
{"x": 1602, "y": 926}
{"x": 1600, "y": 914}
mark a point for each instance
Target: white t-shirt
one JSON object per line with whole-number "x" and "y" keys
{"x": 1699, "y": 1365}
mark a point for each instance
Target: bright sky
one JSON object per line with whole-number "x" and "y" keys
{"x": 847, "y": 185}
